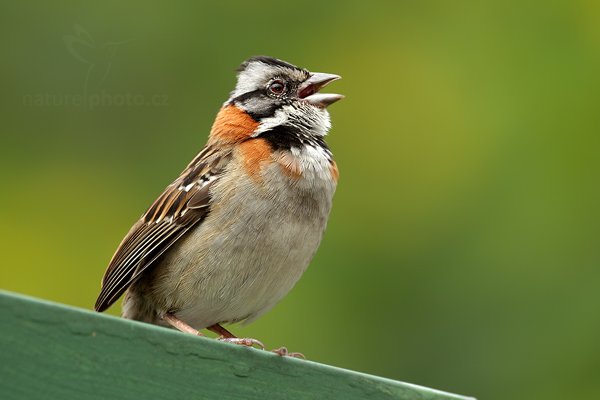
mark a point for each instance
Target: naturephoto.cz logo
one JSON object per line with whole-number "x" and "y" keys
{"x": 95, "y": 100}
{"x": 97, "y": 58}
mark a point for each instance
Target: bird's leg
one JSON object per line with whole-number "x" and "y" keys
{"x": 226, "y": 336}
{"x": 219, "y": 330}
{"x": 180, "y": 325}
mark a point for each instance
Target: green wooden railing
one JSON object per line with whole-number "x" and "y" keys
{"x": 51, "y": 351}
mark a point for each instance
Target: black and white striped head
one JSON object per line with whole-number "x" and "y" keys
{"x": 280, "y": 95}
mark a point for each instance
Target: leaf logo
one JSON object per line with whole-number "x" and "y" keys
{"x": 97, "y": 56}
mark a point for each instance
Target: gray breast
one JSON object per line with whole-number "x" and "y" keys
{"x": 252, "y": 248}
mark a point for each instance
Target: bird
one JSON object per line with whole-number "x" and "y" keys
{"x": 231, "y": 236}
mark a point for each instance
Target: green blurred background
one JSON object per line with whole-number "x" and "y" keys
{"x": 462, "y": 252}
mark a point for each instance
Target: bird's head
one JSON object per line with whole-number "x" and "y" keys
{"x": 273, "y": 97}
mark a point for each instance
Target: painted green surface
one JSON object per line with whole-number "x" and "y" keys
{"x": 52, "y": 351}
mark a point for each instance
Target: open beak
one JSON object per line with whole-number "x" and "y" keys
{"x": 309, "y": 90}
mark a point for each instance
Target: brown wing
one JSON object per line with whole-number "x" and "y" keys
{"x": 182, "y": 205}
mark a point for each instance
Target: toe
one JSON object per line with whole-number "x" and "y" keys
{"x": 248, "y": 342}
{"x": 282, "y": 351}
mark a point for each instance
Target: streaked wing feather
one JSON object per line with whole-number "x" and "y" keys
{"x": 128, "y": 273}
{"x": 182, "y": 205}
{"x": 153, "y": 234}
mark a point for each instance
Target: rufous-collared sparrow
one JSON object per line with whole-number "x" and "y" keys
{"x": 235, "y": 231}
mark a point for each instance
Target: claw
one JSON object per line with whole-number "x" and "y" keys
{"x": 248, "y": 342}
{"x": 283, "y": 352}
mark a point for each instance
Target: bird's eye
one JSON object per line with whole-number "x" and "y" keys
{"x": 277, "y": 87}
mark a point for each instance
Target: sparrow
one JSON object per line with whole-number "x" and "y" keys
{"x": 231, "y": 236}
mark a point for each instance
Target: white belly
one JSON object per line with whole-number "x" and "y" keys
{"x": 247, "y": 255}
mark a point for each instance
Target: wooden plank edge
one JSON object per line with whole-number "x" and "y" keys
{"x": 28, "y": 314}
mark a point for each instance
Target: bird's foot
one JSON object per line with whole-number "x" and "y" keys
{"x": 248, "y": 342}
{"x": 283, "y": 351}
